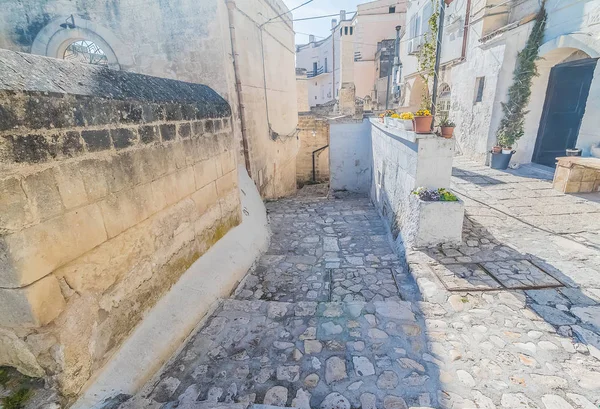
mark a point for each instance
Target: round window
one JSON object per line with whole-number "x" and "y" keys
{"x": 86, "y": 52}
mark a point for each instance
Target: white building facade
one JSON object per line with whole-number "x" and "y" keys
{"x": 347, "y": 56}
{"x": 480, "y": 45}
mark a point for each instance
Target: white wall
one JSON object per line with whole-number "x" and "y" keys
{"x": 350, "y": 156}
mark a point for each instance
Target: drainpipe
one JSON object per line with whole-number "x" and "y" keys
{"x": 238, "y": 86}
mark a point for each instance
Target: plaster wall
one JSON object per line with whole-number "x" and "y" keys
{"x": 403, "y": 161}
{"x": 350, "y": 156}
{"x": 302, "y": 84}
{"x": 113, "y": 184}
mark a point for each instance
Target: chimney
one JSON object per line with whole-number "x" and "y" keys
{"x": 333, "y": 23}
{"x": 342, "y": 15}
{"x": 311, "y": 38}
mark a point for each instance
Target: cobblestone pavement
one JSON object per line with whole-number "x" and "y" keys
{"x": 332, "y": 318}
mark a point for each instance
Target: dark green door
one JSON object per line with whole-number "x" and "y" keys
{"x": 566, "y": 96}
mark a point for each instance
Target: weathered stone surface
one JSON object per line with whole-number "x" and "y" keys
{"x": 276, "y": 396}
{"x": 335, "y": 369}
{"x": 15, "y": 353}
{"x": 335, "y": 401}
{"x": 363, "y": 366}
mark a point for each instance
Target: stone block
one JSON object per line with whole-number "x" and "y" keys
{"x": 126, "y": 208}
{"x": 432, "y": 223}
{"x": 15, "y": 211}
{"x": 184, "y": 130}
{"x": 586, "y": 187}
{"x": 205, "y": 172}
{"x": 32, "y": 306}
{"x": 15, "y": 353}
{"x": 227, "y": 182}
{"x": 226, "y": 162}
{"x": 96, "y": 140}
{"x": 70, "y": 186}
{"x": 168, "y": 132}
{"x": 576, "y": 174}
{"x": 589, "y": 175}
{"x": 35, "y": 252}
{"x": 175, "y": 186}
{"x": 205, "y": 197}
{"x": 572, "y": 187}
{"x": 94, "y": 173}
{"x": 43, "y": 194}
{"x": 123, "y": 137}
{"x": 149, "y": 134}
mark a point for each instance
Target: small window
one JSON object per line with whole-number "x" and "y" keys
{"x": 325, "y": 68}
{"x": 479, "y": 86}
{"x": 392, "y": 9}
{"x": 345, "y": 31}
{"x": 341, "y": 31}
{"x": 315, "y": 97}
{"x": 351, "y": 30}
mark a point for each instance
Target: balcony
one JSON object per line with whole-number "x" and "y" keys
{"x": 315, "y": 73}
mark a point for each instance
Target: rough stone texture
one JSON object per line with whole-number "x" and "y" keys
{"x": 314, "y": 134}
{"x": 251, "y": 344}
{"x": 97, "y": 222}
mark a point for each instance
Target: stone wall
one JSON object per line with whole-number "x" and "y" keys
{"x": 314, "y": 134}
{"x": 112, "y": 185}
{"x": 195, "y": 42}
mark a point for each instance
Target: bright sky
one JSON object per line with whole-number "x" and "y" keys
{"x": 319, "y": 27}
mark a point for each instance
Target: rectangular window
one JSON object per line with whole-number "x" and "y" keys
{"x": 341, "y": 31}
{"x": 392, "y": 9}
{"x": 345, "y": 31}
{"x": 479, "y": 86}
{"x": 325, "y": 68}
{"x": 315, "y": 69}
{"x": 351, "y": 30}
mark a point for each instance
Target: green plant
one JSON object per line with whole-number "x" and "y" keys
{"x": 427, "y": 54}
{"x": 16, "y": 400}
{"x": 513, "y": 123}
{"x": 446, "y": 122}
{"x": 4, "y": 377}
{"x": 434, "y": 195}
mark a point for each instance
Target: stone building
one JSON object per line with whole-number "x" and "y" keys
{"x": 237, "y": 47}
{"x": 480, "y": 46}
{"x": 348, "y": 55}
{"x": 112, "y": 185}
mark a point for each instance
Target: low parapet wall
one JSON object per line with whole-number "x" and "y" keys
{"x": 112, "y": 185}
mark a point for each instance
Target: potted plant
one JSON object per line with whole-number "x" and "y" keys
{"x": 497, "y": 149}
{"x": 396, "y": 120}
{"x": 447, "y": 127}
{"x": 407, "y": 120}
{"x": 436, "y": 217}
{"x": 381, "y": 116}
{"x": 512, "y": 125}
{"x": 423, "y": 121}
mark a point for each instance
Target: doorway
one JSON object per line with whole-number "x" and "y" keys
{"x": 566, "y": 97}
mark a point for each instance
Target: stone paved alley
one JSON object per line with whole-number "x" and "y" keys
{"x": 331, "y": 317}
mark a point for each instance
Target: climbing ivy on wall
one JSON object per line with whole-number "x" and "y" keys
{"x": 427, "y": 54}
{"x": 513, "y": 123}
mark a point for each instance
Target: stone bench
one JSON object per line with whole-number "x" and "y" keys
{"x": 577, "y": 175}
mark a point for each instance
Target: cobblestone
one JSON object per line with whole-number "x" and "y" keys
{"x": 332, "y": 317}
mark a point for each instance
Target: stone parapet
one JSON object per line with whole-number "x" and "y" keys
{"x": 112, "y": 185}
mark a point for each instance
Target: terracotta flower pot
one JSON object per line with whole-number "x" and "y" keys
{"x": 497, "y": 149}
{"x": 448, "y": 2}
{"x": 447, "y": 131}
{"x": 423, "y": 124}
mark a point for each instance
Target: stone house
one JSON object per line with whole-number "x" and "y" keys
{"x": 480, "y": 46}
{"x": 233, "y": 46}
{"x": 348, "y": 55}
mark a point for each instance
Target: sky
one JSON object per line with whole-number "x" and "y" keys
{"x": 319, "y": 27}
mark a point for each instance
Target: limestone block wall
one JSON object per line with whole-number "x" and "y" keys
{"x": 314, "y": 134}
{"x": 111, "y": 185}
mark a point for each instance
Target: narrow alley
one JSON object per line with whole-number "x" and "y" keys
{"x": 330, "y": 317}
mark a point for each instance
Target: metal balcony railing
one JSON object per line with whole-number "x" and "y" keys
{"x": 314, "y": 73}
